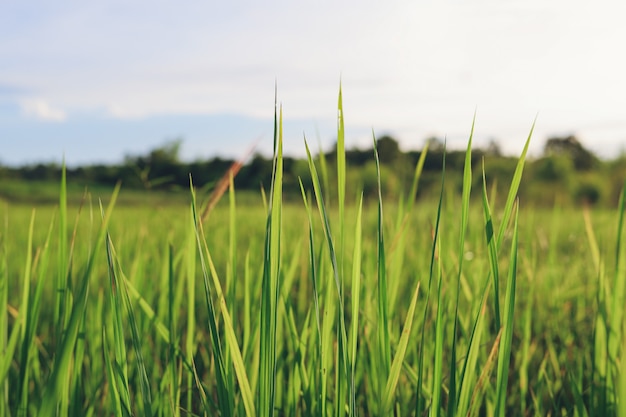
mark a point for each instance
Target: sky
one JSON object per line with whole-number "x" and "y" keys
{"x": 93, "y": 82}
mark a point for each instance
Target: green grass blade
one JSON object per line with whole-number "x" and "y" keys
{"x": 492, "y": 250}
{"x": 121, "y": 295}
{"x": 225, "y": 400}
{"x": 174, "y": 383}
{"x": 271, "y": 282}
{"x": 619, "y": 287}
{"x": 465, "y": 206}
{"x": 61, "y": 278}
{"x": 320, "y": 397}
{"x": 331, "y": 247}
{"x": 25, "y": 310}
{"x": 340, "y": 386}
{"x": 514, "y": 187}
{"x": 417, "y": 174}
{"x": 356, "y": 303}
{"x": 324, "y": 172}
{"x": 229, "y": 331}
{"x": 420, "y": 407}
{"x": 467, "y": 378}
{"x": 32, "y": 319}
{"x": 63, "y": 356}
{"x": 504, "y": 353}
{"x": 439, "y": 336}
{"x": 5, "y": 340}
{"x": 384, "y": 344}
{"x": 396, "y": 366}
{"x": 190, "y": 274}
{"x": 341, "y": 156}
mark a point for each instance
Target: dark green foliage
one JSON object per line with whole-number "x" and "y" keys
{"x": 559, "y": 176}
{"x": 571, "y": 147}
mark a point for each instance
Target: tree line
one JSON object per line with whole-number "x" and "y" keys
{"x": 565, "y": 173}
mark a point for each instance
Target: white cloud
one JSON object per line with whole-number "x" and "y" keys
{"x": 40, "y": 109}
{"x": 418, "y": 68}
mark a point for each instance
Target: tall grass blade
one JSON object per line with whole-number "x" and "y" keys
{"x": 396, "y": 366}
{"x": 356, "y": 303}
{"x": 331, "y": 247}
{"x": 514, "y": 187}
{"x": 619, "y": 289}
{"x": 207, "y": 264}
{"x": 119, "y": 377}
{"x": 64, "y": 353}
{"x": 271, "y": 281}
{"x": 417, "y": 174}
{"x": 225, "y": 397}
{"x": 313, "y": 271}
{"x": 122, "y": 296}
{"x": 25, "y": 309}
{"x": 190, "y": 273}
{"x": 492, "y": 250}
{"x": 504, "y": 354}
{"x": 467, "y": 377}
{"x": 32, "y": 310}
{"x": 420, "y": 406}
{"x": 61, "y": 277}
{"x": 384, "y": 344}
{"x": 465, "y": 203}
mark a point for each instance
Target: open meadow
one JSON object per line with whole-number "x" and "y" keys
{"x": 468, "y": 304}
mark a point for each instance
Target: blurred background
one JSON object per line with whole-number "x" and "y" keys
{"x": 118, "y": 84}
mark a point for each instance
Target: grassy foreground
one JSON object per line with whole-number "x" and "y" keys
{"x": 329, "y": 307}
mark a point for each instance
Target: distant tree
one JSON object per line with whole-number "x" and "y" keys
{"x": 554, "y": 169}
{"x": 358, "y": 157}
{"x": 435, "y": 144}
{"x": 493, "y": 148}
{"x": 388, "y": 149}
{"x": 257, "y": 172}
{"x": 570, "y": 146}
{"x": 161, "y": 166}
{"x": 168, "y": 153}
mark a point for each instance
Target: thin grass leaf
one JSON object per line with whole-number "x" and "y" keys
{"x": 229, "y": 331}
{"x": 320, "y": 397}
{"x": 417, "y": 174}
{"x": 398, "y": 360}
{"x": 384, "y": 344}
{"x": 32, "y": 320}
{"x": 467, "y": 376}
{"x": 122, "y": 289}
{"x": 492, "y": 250}
{"x": 514, "y": 187}
{"x": 340, "y": 386}
{"x": 271, "y": 280}
{"x": 62, "y": 358}
{"x": 224, "y": 396}
{"x": 120, "y": 408}
{"x": 504, "y": 353}
{"x": 619, "y": 287}
{"x": 356, "y": 303}
{"x": 483, "y": 379}
{"x": 331, "y": 247}
{"x": 420, "y": 407}
{"x": 190, "y": 273}
{"x": 465, "y": 203}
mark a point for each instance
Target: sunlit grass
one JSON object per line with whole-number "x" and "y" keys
{"x": 334, "y": 305}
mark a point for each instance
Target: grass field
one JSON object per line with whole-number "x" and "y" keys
{"x": 331, "y": 306}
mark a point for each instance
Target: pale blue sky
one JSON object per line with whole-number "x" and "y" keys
{"x": 96, "y": 81}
